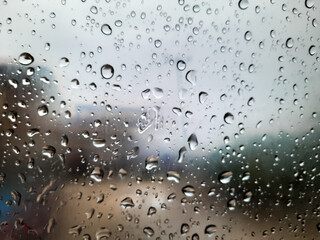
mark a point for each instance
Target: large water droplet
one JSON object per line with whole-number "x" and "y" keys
{"x": 191, "y": 77}
{"x": 127, "y": 203}
{"x": 228, "y": 118}
{"x": 151, "y": 162}
{"x": 103, "y": 234}
{"x": 182, "y": 153}
{"x": 309, "y": 3}
{"x": 188, "y": 190}
{"x": 181, "y": 65}
{"x": 173, "y": 176}
{"x": 75, "y": 230}
{"x": 184, "y": 228}
{"x": 193, "y": 142}
{"x": 48, "y": 151}
{"x": 289, "y": 43}
{"x": 42, "y": 110}
{"x": 99, "y": 142}
{"x": 203, "y": 96}
{"x": 148, "y": 231}
{"x": 243, "y": 4}
{"x": 210, "y": 230}
{"x": 225, "y": 177}
{"x": 97, "y": 174}
{"x": 106, "y": 29}
{"x": 107, "y": 71}
{"x": 232, "y": 204}
{"x": 312, "y": 50}
{"x": 64, "y": 62}
{"x": 151, "y": 211}
{"x": 25, "y": 58}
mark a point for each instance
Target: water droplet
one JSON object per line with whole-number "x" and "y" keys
{"x": 289, "y": 43}
{"x": 157, "y": 43}
{"x": 107, "y": 71}
{"x": 193, "y": 142}
{"x": 251, "y": 101}
{"x": 248, "y": 36}
{"x": 225, "y": 177}
{"x": 127, "y": 203}
{"x": 89, "y": 213}
{"x": 151, "y": 162}
{"x": 99, "y": 142}
{"x": 210, "y": 230}
{"x": 245, "y": 176}
{"x": 195, "y": 237}
{"x": 32, "y": 132}
{"x": 64, "y": 62}
{"x": 103, "y": 234}
{"x": 181, "y": 65}
{"x": 97, "y": 174}
{"x": 148, "y": 231}
{"x": 228, "y": 118}
{"x": 309, "y": 3}
{"x": 151, "y": 211}
{"x": 184, "y": 228}
{"x": 48, "y": 151}
{"x": 106, "y": 29}
{"x": 42, "y": 110}
{"x": 191, "y": 77}
{"x": 243, "y": 4}
{"x": 182, "y": 153}
{"x": 94, "y": 9}
{"x": 247, "y": 196}
{"x": 232, "y": 204}
{"x": 157, "y": 92}
{"x": 25, "y": 58}
{"x": 50, "y": 225}
{"x": 173, "y": 176}
{"x": 203, "y": 96}
{"x": 75, "y": 230}
{"x": 312, "y": 50}
{"x": 188, "y": 190}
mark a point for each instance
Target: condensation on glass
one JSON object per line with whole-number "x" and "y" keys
{"x": 159, "y": 119}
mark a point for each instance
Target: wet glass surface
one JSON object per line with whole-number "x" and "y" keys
{"x": 159, "y": 120}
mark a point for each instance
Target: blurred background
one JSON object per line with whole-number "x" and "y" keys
{"x": 159, "y": 119}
